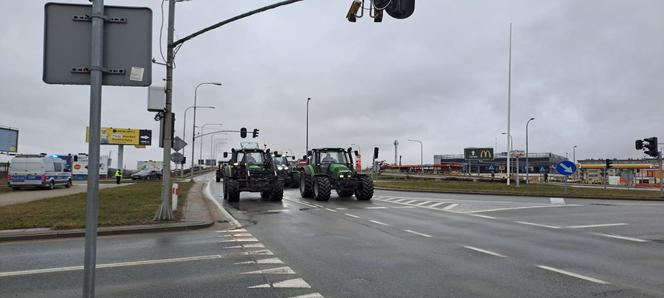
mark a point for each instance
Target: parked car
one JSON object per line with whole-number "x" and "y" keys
{"x": 38, "y": 171}
{"x": 146, "y": 174}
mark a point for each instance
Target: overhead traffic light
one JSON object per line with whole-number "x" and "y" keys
{"x": 608, "y": 163}
{"x": 243, "y": 132}
{"x": 254, "y": 134}
{"x": 398, "y": 9}
{"x": 639, "y": 144}
{"x": 651, "y": 146}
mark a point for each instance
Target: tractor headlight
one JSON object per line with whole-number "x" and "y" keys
{"x": 341, "y": 175}
{"x": 285, "y": 168}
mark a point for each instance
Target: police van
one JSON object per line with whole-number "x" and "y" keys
{"x": 29, "y": 171}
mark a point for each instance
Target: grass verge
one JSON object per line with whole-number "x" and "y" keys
{"x": 126, "y": 205}
{"x": 502, "y": 189}
{"x": 3, "y": 185}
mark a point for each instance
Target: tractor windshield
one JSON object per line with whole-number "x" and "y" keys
{"x": 329, "y": 157}
{"x": 253, "y": 158}
{"x": 280, "y": 161}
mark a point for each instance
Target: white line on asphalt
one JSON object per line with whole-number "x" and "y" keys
{"x": 232, "y": 231}
{"x": 341, "y": 208}
{"x": 400, "y": 200}
{"x": 251, "y": 239}
{"x": 410, "y": 201}
{"x": 572, "y": 274}
{"x": 389, "y": 199}
{"x": 378, "y": 222}
{"x": 291, "y": 283}
{"x": 278, "y": 210}
{"x": 262, "y": 252}
{"x": 253, "y": 245}
{"x": 312, "y": 295}
{"x": 404, "y": 207}
{"x": 449, "y": 207}
{"x": 354, "y": 216}
{"x": 209, "y": 196}
{"x": 437, "y": 204}
{"x": 418, "y": 233}
{"x": 423, "y": 203}
{"x": 375, "y": 207}
{"x": 278, "y": 270}
{"x": 482, "y": 216}
{"x": 621, "y": 237}
{"x": 488, "y": 252}
{"x": 559, "y": 201}
{"x": 111, "y": 265}
{"x": 302, "y": 203}
{"x": 241, "y": 235}
{"x": 523, "y": 207}
{"x": 598, "y": 225}
{"x": 319, "y": 206}
{"x": 537, "y": 225}
{"x": 331, "y": 210}
{"x": 262, "y": 261}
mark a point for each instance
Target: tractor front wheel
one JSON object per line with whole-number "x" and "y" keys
{"x": 366, "y": 189}
{"x": 233, "y": 191}
{"x": 306, "y": 184}
{"x": 322, "y": 188}
{"x": 277, "y": 193}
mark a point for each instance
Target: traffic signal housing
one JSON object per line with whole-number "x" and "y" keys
{"x": 639, "y": 144}
{"x": 243, "y": 132}
{"x": 650, "y": 146}
{"x": 608, "y": 163}
{"x": 254, "y": 134}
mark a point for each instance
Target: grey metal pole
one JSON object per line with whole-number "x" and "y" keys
{"x": 527, "y": 166}
{"x": 92, "y": 207}
{"x": 193, "y": 135}
{"x": 121, "y": 160}
{"x": 307, "y": 147}
{"x": 184, "y": 138}
{"x": 661, "y": 177}
{"x": 509, "y": 105}
{"x": 517, "y": 170}
{"x": 164, "y": 212}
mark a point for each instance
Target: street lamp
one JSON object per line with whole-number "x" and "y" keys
{"x": 421, "y": 154}
{"x": 184, "y": 129}
{"x": 528, "y": 169}
{"x": 201, "y": 136}
{"x": 193, "y": 131}
{"x": 510, "y": 144}
{"x": 574, "y": 153}
{"x": 307, "y": 148}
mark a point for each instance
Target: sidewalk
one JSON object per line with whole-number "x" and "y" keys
{"x": 197, "y": 215}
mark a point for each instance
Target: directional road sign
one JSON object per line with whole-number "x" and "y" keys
{"x": 566, "y": 168}
{"x": 542, "y": 169}
{"x": 492, "y": 168}
{"x": 178, "y": 144}
{"x": 177, "y": 157}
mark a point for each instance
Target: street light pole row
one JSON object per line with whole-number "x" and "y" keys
{"x": 193, "y": 132}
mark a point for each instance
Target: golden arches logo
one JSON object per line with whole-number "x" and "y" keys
{"x": 485, "y": 153}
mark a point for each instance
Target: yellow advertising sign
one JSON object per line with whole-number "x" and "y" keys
{"x": 122, "y": 136}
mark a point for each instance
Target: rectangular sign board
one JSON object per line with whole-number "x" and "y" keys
{"x": 478, "y": 153}
{"x": 127, "y": 45}
{"x": 8, "y": 140}
{"x": 123, "y": 136}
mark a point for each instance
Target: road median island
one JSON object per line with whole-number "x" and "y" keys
{"x": 498, "y": 188}
{"x": 132, "y": 205}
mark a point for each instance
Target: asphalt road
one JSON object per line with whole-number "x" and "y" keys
{"x": 398, "y": 245}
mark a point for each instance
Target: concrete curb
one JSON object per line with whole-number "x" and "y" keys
{"x": 103, "y": 231}
{"x": 521, "y": 195}
{"x": 223, "y": 213}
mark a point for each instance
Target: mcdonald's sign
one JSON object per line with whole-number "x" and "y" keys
{"x": 478, "y": 153}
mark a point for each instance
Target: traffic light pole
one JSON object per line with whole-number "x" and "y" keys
{"x": 661, "y": 173}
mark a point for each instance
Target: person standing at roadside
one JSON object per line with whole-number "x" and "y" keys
{"x": 118, "y": 176}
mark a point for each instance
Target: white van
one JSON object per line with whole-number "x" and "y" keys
{"x": 38, "y": 171}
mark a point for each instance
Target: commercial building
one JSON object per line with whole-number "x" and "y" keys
{"x": 537, "y": 162}
{"x": 628, "y": 172}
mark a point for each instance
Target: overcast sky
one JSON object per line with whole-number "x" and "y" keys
{"x": 591, "y": 72}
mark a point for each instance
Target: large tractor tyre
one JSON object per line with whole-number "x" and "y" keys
{"x": 218, "y": 179}
{"x": 233, "y": 191}
{"x": 306, "y": 185}
{"x": 322, "y": 188}
{"x": 277, "y": 193}
{"x": 265, "y": 194}
{"x": 344, "y": 193}
{"x": 366, "y": 189}
{"x": 295, "y": 180}
{"x": 225, "y": 190}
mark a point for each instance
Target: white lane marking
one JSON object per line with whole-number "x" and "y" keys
{"x": 389, "y": 199}
{"x": 251, "y": 239}
{"x": 312, "y": 295}
{"x": 422, "y": 203}
{"x": 331, "y": 210}
{"x": 537, "y": 225}
{"x": 598, "y": 225}
{"x": 242, "y": 235}
{"x": 410, "y": 201}
{"x": 302, "y": 203}
{"x": 488, "y": 252}
{"x": 557, "y": 201}
{"x": 572, "y": 274}
{"x": 375, "y": 207}
{"x": 400, "y": 200}
{"x": 232, "y": 231}
{"x": 209, "y": 196}
{"x": 278, "y": 270}
{"x": 379, "y": 223}
{"x": 253, "y": 245}
{"x": 277, "y": 210}
{"x": 404, "y": 207}
{"x": 319, "y": 206}
{"x": 262, "y": 252}
{"x": 524, "y": 207}
{"x": 232, "y": 247}
{"x": 621, "y": 237}
{"x": 341, "y": 208}
{"x": 482, "y": 216}
{"x": 290, "y": 283}
{"x": 437, "y": 204}
{"x": 418, "y": 233}
{"x": 262, "y": 261}
{"x": 351, "y": 215}
{"x": 450, "y": 207}
{"x": 110, "y": 265}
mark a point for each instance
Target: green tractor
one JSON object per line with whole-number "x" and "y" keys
{"x": 332, "y": 168}
{"x": 252, "y": 170}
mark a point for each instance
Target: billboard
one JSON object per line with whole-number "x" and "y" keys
{"x": 478, "y": 153}
{"x": 122, "y": 136}
{"x": 80, "y": 165}
{"x": 8, "y": 140}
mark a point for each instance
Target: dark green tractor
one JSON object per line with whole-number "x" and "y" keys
{"x": 286, "y": 170}
{"x": 252, "y": 170}
{"x": 332, "y": 168}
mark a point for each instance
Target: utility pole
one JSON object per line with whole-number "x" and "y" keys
{"x": 527, "y": 166}
{"x": 509, "y": 106}
{"x": 396, "y": 150}
{"x": 307, "y": 141}
{"x": 661, "y": 175}
{"x": 164, "y": 212}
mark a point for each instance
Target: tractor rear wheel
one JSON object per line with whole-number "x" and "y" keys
{"x": 277, "y": 193}
{"x": 295, "y": 180}
{"x": 366, "y": 189}
{"x": 225, "y": 190}
{"x": 305, "y": 185}
{"x": 322, "y": 188}
{"x": 344, "y": 193}
{"x": 233, "y": 191}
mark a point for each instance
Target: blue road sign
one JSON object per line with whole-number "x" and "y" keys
{"x": 492, "y": 168}
{"x": 566, "y": 168}
{"x": 542, "y": 169}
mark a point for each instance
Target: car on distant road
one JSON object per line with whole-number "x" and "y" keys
{"x": 146, "y": 174}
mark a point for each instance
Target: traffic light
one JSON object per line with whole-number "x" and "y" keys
{"x": 639, "y": 144}
{"x": 651, "y": 146}
{"x": 352, "y": 12}
{"x": 608, "y": 163}
{"x": 243, "y": 132}
{"x": 254, "y": 134}
{"x": 400, "y": 9}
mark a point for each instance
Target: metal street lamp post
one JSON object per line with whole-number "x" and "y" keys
{"x": 527, "y": 166}
{"x": 193, "y": 131}
{"x": 421, "y": 154}
{"x": 307, "y": 141}
{"x": 200, "y": 154}
{"x": 184, "y": 130}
